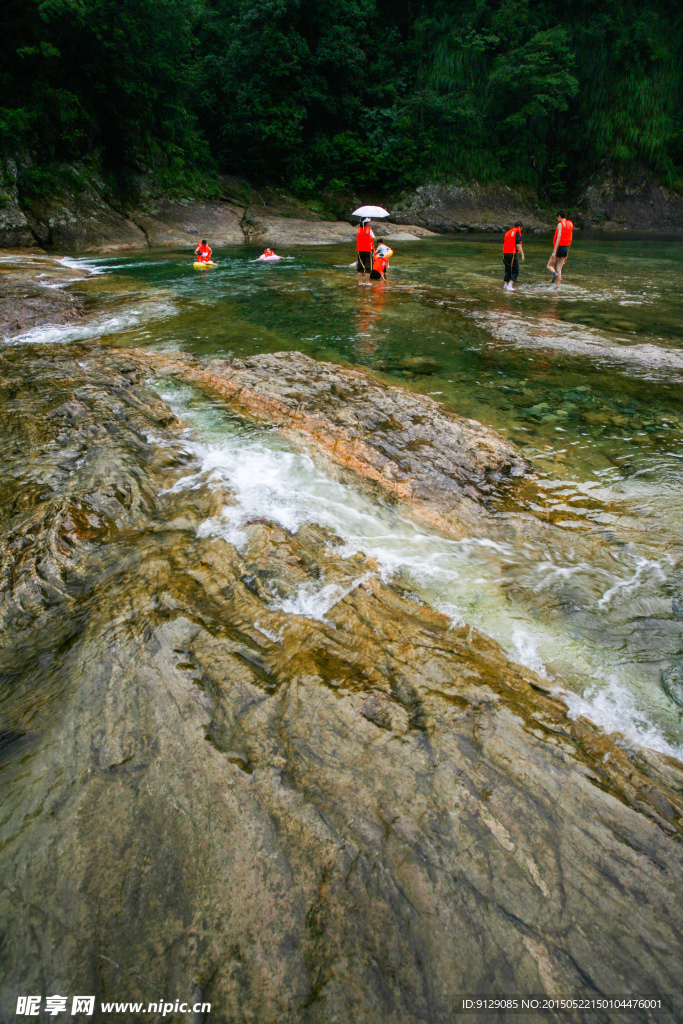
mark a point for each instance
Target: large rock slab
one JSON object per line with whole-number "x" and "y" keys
{"x": 34, "y": 292}
{"x": 444, "y": 467}
{"x": 14, "y": 228}
{"x": 614, "y": 204}
{"x": 174, "y": 225}
{"x": 79, "y": 219}
{"x": 351, "y": 818}
{"x": 471, "y": 207}
{"x": 276, "y": 230}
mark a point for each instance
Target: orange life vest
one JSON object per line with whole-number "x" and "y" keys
{"x": 379, "y": 264}
{"x": 364, "y": 239}
{"x": 563, "y": 233}
{"x": 203, "y": 254}
{"x": 509, "y": 241}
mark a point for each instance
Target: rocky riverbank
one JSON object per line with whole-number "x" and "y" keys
{"x": 84, "y": 215}
{"x": 34, "y": 291}
{"x": 445, "y": 469}
{"x": 609, "y": 204}
{"x": 210, "y": 796}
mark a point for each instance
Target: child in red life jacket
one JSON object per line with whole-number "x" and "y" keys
{"x": 203, "y": 252}
{"x": 380, "y": 262}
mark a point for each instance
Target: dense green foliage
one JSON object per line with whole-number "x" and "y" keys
{"x": 345, "y": 92}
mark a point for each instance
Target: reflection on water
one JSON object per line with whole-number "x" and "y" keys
{"x": 586, "y": 380}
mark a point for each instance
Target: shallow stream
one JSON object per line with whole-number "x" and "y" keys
{"x": 586, "y": 380}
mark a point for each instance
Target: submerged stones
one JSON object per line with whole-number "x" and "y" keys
{"x": 352, "y": 815}
{"x": 420, "y": 364}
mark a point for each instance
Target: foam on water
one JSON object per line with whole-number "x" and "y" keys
{"x": 464, "y": 579}
{"x": 88, "y": 266}
{"x": 96, "y": 327}
{"x": 316, "y": 602}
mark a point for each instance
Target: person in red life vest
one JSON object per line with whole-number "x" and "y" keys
{"x": 562, "y": 239}
{"x": 512, "y": 247}
{"x": 365, "y": 244}
{"x": 380, "y": 262}
{"x": 203, "y": 252}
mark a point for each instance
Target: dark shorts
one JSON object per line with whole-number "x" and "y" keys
{"x": 375, "y": 275}
{"x": 563, "y": 251}
{"x": 364, "y": 264}
{"x": 511, "y": 266}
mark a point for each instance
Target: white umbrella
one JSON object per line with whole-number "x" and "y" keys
{"x": 370, "y": 211}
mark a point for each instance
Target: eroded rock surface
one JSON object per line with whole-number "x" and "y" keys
{"x": 169, "y": 224}
{"x": 81, "y": 219}
{"x": 471, "y": 207}
{"x": 444, "y": 467}
{"x": 14, "y": 228}
{"x": 352, "y": 818}
{"x": 34, "y": 293}
{"x": 615, "y": 204}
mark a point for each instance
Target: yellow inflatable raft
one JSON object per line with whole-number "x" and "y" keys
{"x": 202, "y": 266}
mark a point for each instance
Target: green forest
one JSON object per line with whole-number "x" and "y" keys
{"x": 311, "y": 95}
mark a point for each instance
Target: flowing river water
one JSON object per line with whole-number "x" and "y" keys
{"x": 586, "y": 381}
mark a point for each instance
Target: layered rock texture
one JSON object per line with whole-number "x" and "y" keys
{"x": 442, "y": 467}
{"x": 617, "y": 205}
{"x": 352, "y": 818}
{"x": 14, "y": 228}
{"x": 472, "y": 207}
{"x": 610, "y": 204}
{"x": 34, "y": 292}
{"x": 85, "y": 216}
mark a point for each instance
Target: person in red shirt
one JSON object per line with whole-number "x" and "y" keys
{"x": 512, "y": 247}
{"x": 562, "y": 239}
{"x": 203, "y": 252}
{"x": 365, "y": 244}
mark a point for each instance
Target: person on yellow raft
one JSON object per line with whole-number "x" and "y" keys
{"x": 203, "y": 254}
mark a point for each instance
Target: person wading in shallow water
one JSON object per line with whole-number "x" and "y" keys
{"x": 562, "y": 239}
{"x": 380, "y": 262}
{"x": 364, "y": 248}
{"x": 512, "y": 247}
{"x": 203, "y": 252}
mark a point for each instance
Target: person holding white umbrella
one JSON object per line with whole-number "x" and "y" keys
{"x": 365, "y": 239}
{"x": 365, "y": 245}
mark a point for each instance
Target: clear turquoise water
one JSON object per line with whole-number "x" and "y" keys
{"x": 587, "y": 380}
